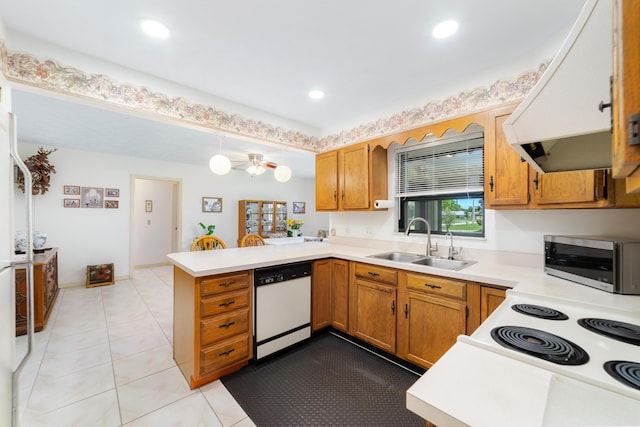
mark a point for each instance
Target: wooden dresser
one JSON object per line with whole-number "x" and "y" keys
{"x": 45, "y": 290}
{"x": 212, "y": 328}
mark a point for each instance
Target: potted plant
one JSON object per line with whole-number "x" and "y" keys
{"x": 209, "y": 229}
{"x": 294, "y": 225}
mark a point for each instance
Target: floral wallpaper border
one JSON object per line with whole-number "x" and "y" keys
{"x": 51, "y": 75}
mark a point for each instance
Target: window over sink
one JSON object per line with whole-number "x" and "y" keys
{"x": 442, "y": 180}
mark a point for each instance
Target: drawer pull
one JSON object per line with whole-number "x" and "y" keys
{"x": 226, "y": 325}
{"x": 227, "y": 283}
{"x": 226, "y": 304}
{"x": 429, "y": 285}
{"x": 372, "y": 274}
{"x": 228, "y": 352}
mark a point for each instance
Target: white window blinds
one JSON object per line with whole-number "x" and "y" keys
{"x": 441, "y": 167}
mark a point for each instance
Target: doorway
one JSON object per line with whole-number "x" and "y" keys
{"x": 155, "y": 218}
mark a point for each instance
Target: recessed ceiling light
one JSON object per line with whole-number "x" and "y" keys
{"x": 316, "y": 94}
{"x": 444, "y": 29}
{"x": 154, "y": 28}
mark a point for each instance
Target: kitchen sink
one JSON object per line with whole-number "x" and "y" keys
{"x": 443, "y": 263}
{"x": 399, "y": 256}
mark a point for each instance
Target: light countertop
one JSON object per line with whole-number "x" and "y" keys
{"x": 468, "y": 385}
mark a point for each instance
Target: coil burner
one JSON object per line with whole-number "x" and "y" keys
{"x": 619, "y": 331}
{"x": 539, "y": 311}
{"x": 627, "y": 373}
{"x": 540, "y": 344}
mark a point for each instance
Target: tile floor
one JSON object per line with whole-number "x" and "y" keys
{"x": 105, "y": 359}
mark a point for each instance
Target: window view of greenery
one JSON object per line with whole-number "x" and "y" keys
{"x": 459, "y": 216}
{"x": 442, "y": 181}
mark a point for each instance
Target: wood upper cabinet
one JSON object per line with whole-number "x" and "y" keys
{"x": 626, "y": 92}
{"x": 327, "y": 181}
{"x": 373, "y": 305}
{"x": 588, "y": 188}
{"x": 351, "y": 178}
{"x": 433, "y": 312}
{"x": 506, "y": 176}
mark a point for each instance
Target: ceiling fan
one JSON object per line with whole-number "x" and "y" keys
{"x": 256, "y": 165}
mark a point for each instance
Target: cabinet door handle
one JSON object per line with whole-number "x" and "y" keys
{"x": 343, "y": 195}
{"x": 335, "y": 195}
{"x": 226, "y": 304}
{"x": 393, "y": 307}
{"x": 226, "y": 353}
{"x": 491, "y": 184}
{"x": 372, "y": 274}
{"x": 536, "y": 180}
{"x": 227, "y": 283}
{"x": 226, "y": 325}
{"x": 429, "y": 285}
{"x": 406, "y": 311}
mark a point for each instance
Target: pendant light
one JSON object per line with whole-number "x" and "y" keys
{"x": 220, "y": 164}
{"x": 282, "y": 173}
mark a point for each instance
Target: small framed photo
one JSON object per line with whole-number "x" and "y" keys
{"x": 298, "y": 207}
{"x": 71, "y": 190}
{"x": 111, "y": 204}
{"x": 71, "y": 203}
{"x": 111, "y": 192}
{"x": 91, "y": 197}
{"x": 211, "y": 204}
{"x": 148, "y": 206}
{"x": 99, "y": 275}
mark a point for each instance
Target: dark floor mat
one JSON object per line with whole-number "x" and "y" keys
{"x": 325, "y": 382}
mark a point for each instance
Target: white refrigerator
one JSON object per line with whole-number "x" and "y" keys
{"x": 10, "y": 360}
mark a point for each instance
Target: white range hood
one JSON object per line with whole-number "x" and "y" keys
{"x": 558, "y": 126}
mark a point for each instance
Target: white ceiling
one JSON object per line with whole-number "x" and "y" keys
{"x": 373, "y": 58}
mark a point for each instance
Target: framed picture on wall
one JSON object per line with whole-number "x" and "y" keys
{"x": 91, "y": 197}
{"x": 71, "y": 190}
{"x": 298, "y": 207}
{"x": 71, "y": 203}
{"x": 148, "y": 206}
{"x": 111, "y": 204}
{"x": 211, "y": 204}
{"x": 111, "y": 192}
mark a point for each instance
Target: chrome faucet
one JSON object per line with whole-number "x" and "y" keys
{"x": 430, "y": 250}
{"x": 452, "y": 250}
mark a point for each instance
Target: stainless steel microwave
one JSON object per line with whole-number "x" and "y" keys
{"x": 610, "y": 264}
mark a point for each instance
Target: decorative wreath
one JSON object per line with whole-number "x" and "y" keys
{"x": 40, "y": 169}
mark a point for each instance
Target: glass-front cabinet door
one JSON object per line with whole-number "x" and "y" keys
{"x": 281, "y": 218}
{"x": 252, "y": 212}
{"x": 267, "y": 217}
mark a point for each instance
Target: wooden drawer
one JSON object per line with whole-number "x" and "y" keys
{"x": 377, "y": 273}
{"x": 224, "y": 353}
{"x": 224, "y": 302}
{"x": 215, "y": 328}
{"x": 223, "y": 283}
{"x": 445, "y": 287}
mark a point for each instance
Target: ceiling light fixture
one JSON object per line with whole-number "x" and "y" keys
{"x": 220, "y": 164}
{"x": 316, "y": 94}
{"x": 256, "y": 167}
{"x": 154, "y": 29}
{"x": 282, "y": 173}
{"x": 445, "y": 29}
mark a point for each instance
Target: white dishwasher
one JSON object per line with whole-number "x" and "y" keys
{"x": 282, "y": 307}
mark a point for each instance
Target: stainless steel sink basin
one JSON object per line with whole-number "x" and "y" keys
{"x": 446, "y": 264}
{"x": 399, "y": 256}
{"x": 443, "y": 263}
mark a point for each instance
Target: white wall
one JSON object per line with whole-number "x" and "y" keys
{"x": 93, "y": 236}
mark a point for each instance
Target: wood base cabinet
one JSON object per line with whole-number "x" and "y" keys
{"x": 330, "y": 294}
{"x": 45, "y": 291}
{"x": 433, "y": 313}
{"x": 212, "y": 328}
{"x": 373, "y": 305}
